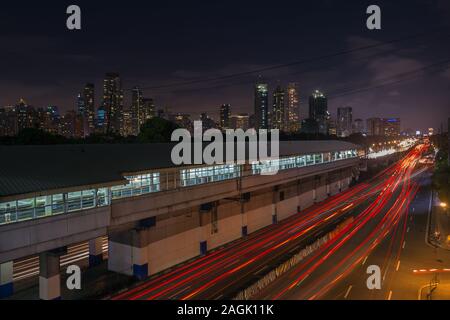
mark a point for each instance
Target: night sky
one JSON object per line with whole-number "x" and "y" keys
{"x": 162, "y": 45}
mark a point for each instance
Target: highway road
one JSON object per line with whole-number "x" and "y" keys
{"x": 379, "y": 206}
{"x": 408, "y": 263}
{"x": 390, "y": 235}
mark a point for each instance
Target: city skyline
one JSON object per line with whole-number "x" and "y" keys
{"x": 114, "y": 117}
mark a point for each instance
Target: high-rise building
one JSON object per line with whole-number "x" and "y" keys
{"x": 344, "y": 121}
{"x": 240, "y": 121}
{"x": 8, "y": 121}
{"x": 358, "y": 126}
{"x": 81, "y": 108}
{"x": 89, "y": 101}
{"x": 128, "y": 129}
{"x": 261, "y": 105}
{"x": 318, "y": 111}
{"x": 391, "y": 127}
{"x": 388, "y": 127}
{"x": 148, "y": 110}
{"x": 183, "y": 120}
{"x": 137, "y": 110}
{"x": 374, "y": 126}
{"x": 207, "y": 122}
{"x": 279, "y": 114}
{"x": 113, "y": 102}
{"x": 71, "y": 125}
{"x": 225, "y": 114}
{"x": 332, "y": 127}
{"x": 25, "y": 115}
{"x": 101, "y": 119}
{"x": 293, "y": 108}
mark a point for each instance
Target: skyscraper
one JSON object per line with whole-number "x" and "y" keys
{"x": 225, "y": 114}
{"x": 318, "y": 111}
{"x": 261, "y": 105}
{"x": 89, "y": 101}
{"x": 113, "y": 102}
{"x": 137, "y": 110}
{"x": 279, "y": 114}
{"x": 80, "y": 104}
{"x": 344, "y": 121}
{"x": 293, "y": 108}
{"x": 148, "y": 110}
{"x": 25, "y": 115}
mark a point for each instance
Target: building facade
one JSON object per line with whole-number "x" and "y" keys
{"x": 225, "y": 115}
{"x": 318, "y": 111}
{"x": 293, "y": 107}
{"x": 261, "y": 105}
{"x": 113, "y": 103}
{"x": 279, "y": 114}
{"x": 344, "y": 121}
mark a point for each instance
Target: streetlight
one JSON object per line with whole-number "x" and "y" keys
{"x": 443, "y": 205}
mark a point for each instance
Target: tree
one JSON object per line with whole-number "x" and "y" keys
{"x": 33, "y": 136}
{"x": 157, "y": 130}
{"x": 441, "y": 176}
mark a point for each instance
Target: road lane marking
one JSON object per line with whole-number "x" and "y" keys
{"x": 260, "y": 270}
{"x": 300, "y": 282}
{"x": 404, "y": 244}
{"x": 348, "y": 292}
{"x": 398, "y": 265}
{"x": 179, "y": 292}
{"x": 365, "y": 260}
{"x": 407, "y": 230}
{"x": 390, "y": 295}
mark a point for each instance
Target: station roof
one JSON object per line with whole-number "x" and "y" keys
{"x": 39, "y": 169}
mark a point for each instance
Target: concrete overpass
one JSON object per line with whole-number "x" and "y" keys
{"x": 155, "y": 214}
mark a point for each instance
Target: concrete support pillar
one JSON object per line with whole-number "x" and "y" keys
{"x": 274, "y": 213}
{"x": 299, "y": 198}
{"x": 128, "y": 253}
{"x": 95, "y": 251}
{"x": 49, "y": 276}
{"x": 140, "y": 253}
{"x": 205, "y": 229}
{"x": 6, "y": 279}
{"x": 244, "y": 231}
{"x": 275, "y": 195}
